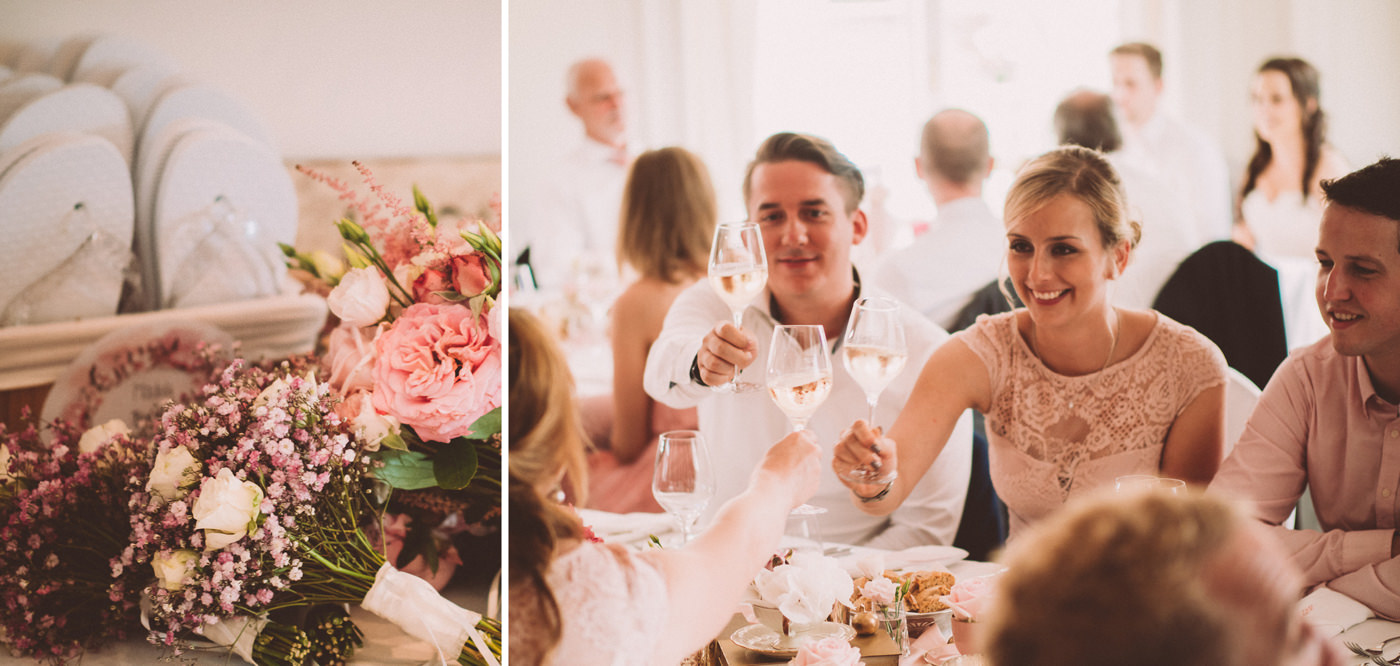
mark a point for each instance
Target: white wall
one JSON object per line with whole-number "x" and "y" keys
{"x": 332, "y": 78}
{"x": 1212, "y": 50}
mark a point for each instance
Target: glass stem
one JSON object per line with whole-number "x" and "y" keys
{"x": 871, "y": 401}
{"x": 738, "y": 316}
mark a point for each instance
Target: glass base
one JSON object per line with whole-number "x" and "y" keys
{"x": 739, "y": 387}
{"x": 872, "y": 477}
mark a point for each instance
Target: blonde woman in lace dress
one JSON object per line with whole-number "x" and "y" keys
{"x": 578, "y": 602}
{"x": 1076, "y": 392}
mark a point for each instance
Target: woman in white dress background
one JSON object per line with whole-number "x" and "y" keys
{"x": 1280, "y": 205}
{"x": 1280, "y": 202}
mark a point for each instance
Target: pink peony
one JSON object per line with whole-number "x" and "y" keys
{"x": 830, "y": 651}
{"x": 970, "y": 597}
{"x": 438, "y": 369}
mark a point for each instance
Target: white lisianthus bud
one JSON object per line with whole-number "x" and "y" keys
{"x": 273, "y": 390}
{"x": 173, "y": 473}
{"x": 373, "y": 427}
{"x": 98, "y": 435}
{"x": 171, "y": 567}
{"x": 226, "y": 508}
{"x": 361, "y": 298}
{"x": 327, "y": 265}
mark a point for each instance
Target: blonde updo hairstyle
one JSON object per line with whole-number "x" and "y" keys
{"x": 1084, "y": 174}
{"x": 547, "y": 445}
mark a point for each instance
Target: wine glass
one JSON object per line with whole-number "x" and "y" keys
{"x": 799, "y": 380}
{"x": 738, "y": 271}
{"x": 874, "y": 353}
{"x": 683, "y": 481}
{"x": 799, "y": 371}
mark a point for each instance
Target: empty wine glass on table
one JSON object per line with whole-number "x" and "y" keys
{"x": 799, "y": 378}
{"x": 738, "y": 271}
{"x": 683, "y": 481}
{"x": 874, "y": 354}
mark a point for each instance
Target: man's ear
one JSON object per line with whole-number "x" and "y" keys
{"x": 919, "y": 168}
{"x": 859, "y": 226}
{"x": 573, "y": 106}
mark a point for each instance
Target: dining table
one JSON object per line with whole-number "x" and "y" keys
{"x": 1340, "y": 619}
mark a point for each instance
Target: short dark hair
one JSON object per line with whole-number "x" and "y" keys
{"x": 1085, "y": 118}
{"x": 1145, "y": 51}
{"x": 790, "y": 146}
{"x": 1373, "y": 189}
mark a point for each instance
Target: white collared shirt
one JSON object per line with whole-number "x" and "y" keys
{"x": 1190, "y": 165}
{"x": 739, "y": 428}
{"x": 575, "y": 218}
{"x": 959, "y": 254}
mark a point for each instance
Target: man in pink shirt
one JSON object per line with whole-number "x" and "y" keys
{"x": 1328, "y": 418}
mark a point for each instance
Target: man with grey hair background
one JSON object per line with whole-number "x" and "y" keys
{"x": 571, "y": 226}
{"x": 963, "y": 248}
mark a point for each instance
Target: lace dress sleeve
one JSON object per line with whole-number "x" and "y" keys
{"x": 989, "y": 338}
{"x": 1199, "y": 363}
{"x": 613, "y": 606}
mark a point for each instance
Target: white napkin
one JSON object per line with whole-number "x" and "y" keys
{"x": 626, "y": 527}
{"x": 1325, "y": 607}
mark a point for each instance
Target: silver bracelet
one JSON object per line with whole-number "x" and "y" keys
{"x": 877, "y": 496}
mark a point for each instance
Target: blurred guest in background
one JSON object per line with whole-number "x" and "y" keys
{"x": 1151, "y": 579}
{"x": 804, "y": 195}
{"x": 1280, "y": 201}
{"x": 1183, "y": 157}
{"x": 572, "y": 228}
{"x": 1076, "y": 391}
{"x": 1085, "y": 118}
{"x": 574, "y": 601}
{"x": 667, "y": 224}
{"x": 1328, "y": 420}
{"x": 962, "y": 248}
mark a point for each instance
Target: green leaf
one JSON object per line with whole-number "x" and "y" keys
{"x": 406, "y": 470}
{"x": 393, "y": 441}
{"x": 455, "y": 466}
{"x": 489, "y": 424}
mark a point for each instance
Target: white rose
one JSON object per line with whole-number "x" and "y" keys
{"x": 373, "y": 427}
{"x": 98, "y": 435}
{"x": 5, "y": 464}
{"x": 806, "y": 588}
{"x": 174, "y": 471}
{"x": 225, "y": 509}
{"x": 361, "y": 298}
{"x": 172, "y": 566}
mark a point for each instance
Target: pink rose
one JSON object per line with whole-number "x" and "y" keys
{"x": 350, "y": 359}
{"x": 427, "y": 285}
{"x": 970, "y": 597}
{"x": 469, "y": 274}
{"x": 830, "y": 651}
{"x": 438, "y": 369}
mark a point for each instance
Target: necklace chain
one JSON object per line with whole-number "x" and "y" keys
{"x": 1117, "y": 331}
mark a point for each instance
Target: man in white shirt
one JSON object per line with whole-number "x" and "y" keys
{"x": 804, "y": 195}
{"x": 1183, "y": 157}
{"x": 572, "y": 226}
{"x": 1085, "y": 118}
{"x": 962, "y": 250}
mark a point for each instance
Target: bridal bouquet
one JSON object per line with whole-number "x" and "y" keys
{"x": 417, "y": 360}
{"x": 62, "y": 524}
{"x": 256, "y": 501}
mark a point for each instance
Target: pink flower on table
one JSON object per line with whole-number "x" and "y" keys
{"x": 970, "y": 597}
{"x": 880, "y": 590}
{"x": 438, "y": 369}
{"x": 830, "y": 651}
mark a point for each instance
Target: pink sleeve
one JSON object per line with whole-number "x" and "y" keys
{"x": 1201, "y": 365}
{"x": 1268, "y": 470}
{"x": 989, "y": 338}
{"x": 1376, "y": 585}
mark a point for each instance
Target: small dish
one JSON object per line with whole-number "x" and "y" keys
{"x": 920, "y": 622}
{"x": 767, "y": 642}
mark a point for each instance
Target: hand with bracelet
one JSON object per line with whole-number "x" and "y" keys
{"x": 864, "y": 448}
